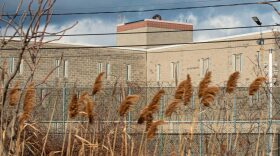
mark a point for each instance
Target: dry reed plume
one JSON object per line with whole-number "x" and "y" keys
{"x": 204, "y": 83}
{"x": 87, "y": 103}
{"x": 208, "y": 96}
{"x": 180, "y": 90}
{"x": 14, "y": 95}
{"x": 256, "y": 84}
{"x": 232, "y": 82}
{"x": 188, "y": 90}
{"x": 153, "y": 128}
{"x": 127, "y": 103}
{"x": 171, "y": 107}
{"x": 28, "y": 103}
{"x": 89, "y": 109}
{"x": 73, "y": 108}
{"x": 82, "y": 102}
{"x": 97, "y": 84}
{"x": 149, "y": 121}
{"x": 152, "y": 107}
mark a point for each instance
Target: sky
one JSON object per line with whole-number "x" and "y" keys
{"x": 106, "y": 23}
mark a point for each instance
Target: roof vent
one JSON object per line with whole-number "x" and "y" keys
{"x": 157, "y": 17}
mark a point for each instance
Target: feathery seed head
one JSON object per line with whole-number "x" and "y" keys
{"x": 172, "y": 106}
{"x": 127, "y": 103}
{"x": 97, "y": 84}
{"x": 204, "y": 83}
{"x": 153, "y": 128}
{"x": 256, "y": 84}
{"x": 232, "y": 82}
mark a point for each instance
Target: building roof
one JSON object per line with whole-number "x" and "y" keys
{"x": 154, "y": 23}
{"x": 210, "y": 40}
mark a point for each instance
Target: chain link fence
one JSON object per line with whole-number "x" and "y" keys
{"x": 235, "y": 124}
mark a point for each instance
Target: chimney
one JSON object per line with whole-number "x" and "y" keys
{"x": 142, "y": 33}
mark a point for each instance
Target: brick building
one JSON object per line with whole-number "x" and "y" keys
{"x": 155, "y": 61}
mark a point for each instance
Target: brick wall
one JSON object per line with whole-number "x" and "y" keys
{"x": 82, "y": 65}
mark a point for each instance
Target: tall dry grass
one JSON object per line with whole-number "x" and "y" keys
{"x": 255, "y": 85}
{"x": 102, "y": 138}
{"x": 28, "y": 104}
{"x": 14, "y": 94}
{"x": 232, "y": 82}
{"x": 127, "y": 103}
{"x": 97, "y": 83}
{"x": 151, "y": 108}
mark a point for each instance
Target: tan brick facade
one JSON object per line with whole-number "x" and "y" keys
{"x": 170, "y": 33}
{"x": 153, "y": 66}
{"x": 220, "y": 55}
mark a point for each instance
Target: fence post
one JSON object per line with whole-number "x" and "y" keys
{"x": 201, "y": 132}
{"x": 129, "y": 114}
{"x": 63, "y": 105}
{"x": 234, "y": 113}
{"x": 270, "y": 75}
{"x": 161, "y": 117}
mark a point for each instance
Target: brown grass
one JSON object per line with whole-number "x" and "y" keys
{"x": 204, "y": 83}
{"x": 172, "y": 106}
{"x": 152, "y": 107}
{"x": 153, "y": 128}
{"x": 232, "y": 82}
{"x": 82, "y": 102}
{"x": 14, "y": 94}
{"x": 28, "y": 103}
{"x": 97, "y": 84}
{"x": 73, "y": 108}
{"x": 209, "y": 95}
{"x": 89, "y": 109}
{"x": 127, "y": 103}
{"x": 87, "y": 104}
{"x": 256, "y": 84}
{"x": 188, "y": 90}
{"x": 180, "y": 90}
{"x": 149, "y": 121}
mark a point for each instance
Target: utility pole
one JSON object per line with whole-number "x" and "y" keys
{"x": 270, "y": 75}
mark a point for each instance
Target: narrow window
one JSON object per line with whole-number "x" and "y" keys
{"x": 258, "y": 58}
{"x": 237, "y": 62}
{"x": 11, "y": 64}
{"x": 128, "y": 72}
{"x": 204, "y": 66}
{"x": 176, "y": 74}
{"x": 173, "y": 69}
{"x": 43, "y": 93}
{"x": 108, "y": 71}
{"x": 65, "y": 69}
{"x": 57, "y": 64}
{"x": 99, "y": 67}
{"x": 21, "y": 67}
{"x": 158, "y": 72}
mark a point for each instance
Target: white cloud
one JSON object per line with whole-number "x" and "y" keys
{"x": 218, "y": 22}
{"x": 189, "y": 18}
{"x": 236, "y": 19}
{"x": 87, "y": 26}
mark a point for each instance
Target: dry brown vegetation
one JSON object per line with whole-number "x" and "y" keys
{"x": 232, "y": 82}
{"x": 256, "y": 84}
{"x": 96, "y": 123}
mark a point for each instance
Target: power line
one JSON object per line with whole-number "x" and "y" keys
{"x": 165, "y": 51}
{"x": 148, "y": 10}
{"x": 143, "y": 45}
{"x": 166, "y": 31}
{"x": 137, "y": 4}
